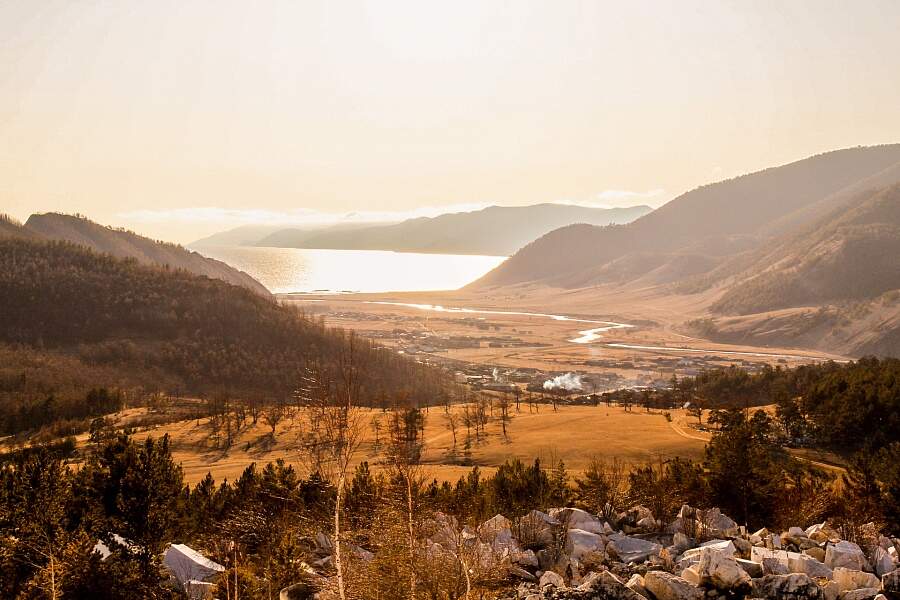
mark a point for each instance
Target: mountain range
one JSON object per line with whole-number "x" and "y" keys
{"x": 126, "y": 244}
{"x": 495, "y": 230}
{"x": 805, "y": 253}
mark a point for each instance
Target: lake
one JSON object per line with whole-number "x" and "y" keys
{"x": 286, "y": 270}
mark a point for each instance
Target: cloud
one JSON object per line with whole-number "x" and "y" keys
{"x": 301, "y": 216}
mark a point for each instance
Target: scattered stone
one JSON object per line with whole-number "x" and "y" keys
{"x": 884, "y": 562}
{"x": 845, "y": 554}
{"x": 721, "y": 571}
{"x": 630, "y": 549}
{"x": 575, "y": 518}
{"x": 636, "y": 584}
{"x": 817, "y": 553}
{"x": 691, "y": 575}
{"x": 850, "y": 579}
{"x": 665, "y": 586}
{"x": 580, "y": 544}
{"x": 753, "y": 569}
{"x": 822, "y": 533}
{"x": 890, "y": 584}
{"x": 742, "y": 548}
{"x": 774, "y": 566}
{"x": 795, "y": 586}
{"x": 520, "y": 573}
{"x": 801, "y": 563}
{"x": 831, "y": 590}
{"x": 860, "y": 594}
{"x": 552, "y": 579}
{"x": 609, "y": 587}
{"x": 525, "y": 558}
{"x": 297, "y": 591}
{"x": 682, "y": 542}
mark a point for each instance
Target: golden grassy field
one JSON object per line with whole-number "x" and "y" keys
{"x": 571, "y": 434}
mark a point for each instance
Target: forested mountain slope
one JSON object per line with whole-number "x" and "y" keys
{"x": 67, "y": 308}
{"x": 126, "y": 244}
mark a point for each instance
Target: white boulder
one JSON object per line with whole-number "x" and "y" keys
{"x": 845, "y": 554}
{"x": 630, "y": 549}
{"x": 581, "y": 544}
{"x": 721, "y": 571}
{"x": 851, "y": 579}
{"x": 552, "y": 579}
{"x": 575, "y": 518}
{"x": 665, "y": 586}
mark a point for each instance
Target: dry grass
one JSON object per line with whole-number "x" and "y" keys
{"x": 572, "y": 434}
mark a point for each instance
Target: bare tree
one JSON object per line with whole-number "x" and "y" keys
{"x": 404, "y": 455}
{"x": 452, "y": 420}
{"x": 335, "y": 439}
{"x": 506, "y": 416}
{"x": 272, "y": 415}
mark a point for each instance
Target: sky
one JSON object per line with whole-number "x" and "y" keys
{"x": 179, "y": 119}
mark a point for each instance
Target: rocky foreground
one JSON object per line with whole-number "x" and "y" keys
{"x": 570, "y": 554}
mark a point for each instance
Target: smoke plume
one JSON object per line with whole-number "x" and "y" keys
{"x": 569, "y": 382}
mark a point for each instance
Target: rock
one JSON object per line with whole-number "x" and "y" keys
{"x": 845, "y": 554}
{"x": 691, "y": 575}
{"x": 831, "y": 590}
{"x": 742, "y": 548}
{"x": 719, "y": 524}
{"x": 758, "y": 553}
{"x": 520, "y": 573}
{"x": 609, "y": 587}
{"x": 890, "y": 584}
{"x": 647, "y": 524}
{"x": 883, "y": 561}
{"x": 850, "y": 579}
{"x": 298, "y": 591}
{"x": 536, "y": 529}
{"x": 575, "y": 518}
{"x": 860, "y": 594}
{"x": 498, "y": 528}
{"x": 665, "y": 586}
{"x": 822, "y": 533}
{"x": 682, "y": 542}
{"x": 723, "y": 546}
{"x": 720, "y": 571}
{"x": 817, "y": 553}
{"x": 795, "y": 586}
{"x": 552, "y": 579}
{"x": 796, "y": 532}
{"x": 636, "y": 585}
{"x": 773, "y": 566}
{"x": 580, "y": 544}
{"x": 801, "y": 563}
{"x": 525, "y": 558}
{"x": 630, "y": 549}
{"x": 752, "y": 569}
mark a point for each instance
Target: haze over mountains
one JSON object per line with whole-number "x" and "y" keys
{"x": 495, "y": 230}
{"x": 819, "y": 234}
{"x": 126, "y": 244}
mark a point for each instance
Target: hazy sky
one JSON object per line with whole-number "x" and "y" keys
{"x": 182, "y": 118}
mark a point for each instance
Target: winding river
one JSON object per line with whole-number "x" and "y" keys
{"x": 589, "y": 336}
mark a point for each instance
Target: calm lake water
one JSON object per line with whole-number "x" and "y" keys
{"x": 285, "y": 270}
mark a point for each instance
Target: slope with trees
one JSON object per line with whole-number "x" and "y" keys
{"x": 74, "y": 320}
{"x": 126, "y": 244}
